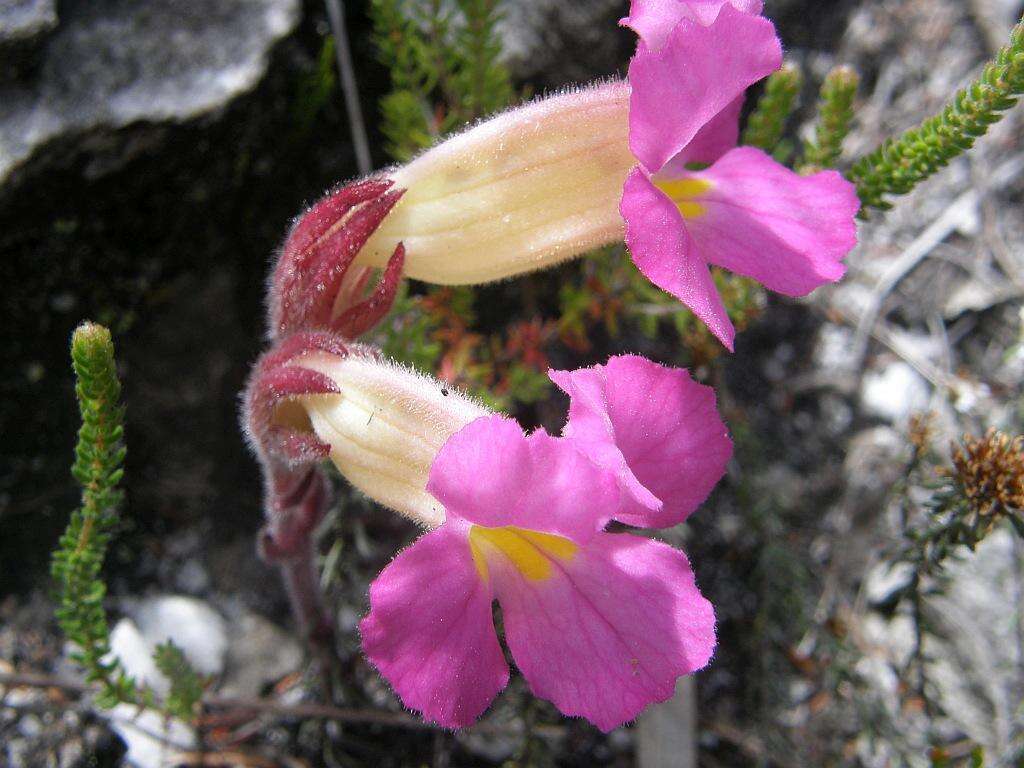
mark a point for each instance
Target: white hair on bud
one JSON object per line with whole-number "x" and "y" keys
{"x": 385, "y": 427}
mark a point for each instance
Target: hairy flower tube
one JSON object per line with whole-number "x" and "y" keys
{"x": 696, "y": 199}
{"x": 318, "y": 397}
{"x": 524, "y": 190}
{"x": 601, "y": 624}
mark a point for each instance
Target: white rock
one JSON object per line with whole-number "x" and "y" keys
{"x": 152, "y": 740}
{"x": 894, "y": 393}
{"x": 136, "y": 655}
{"x": 853, "y": 299}
{"x": 886, "y": 580}
{"x": 832, "y": 348}
{"x": 190, "y": 624}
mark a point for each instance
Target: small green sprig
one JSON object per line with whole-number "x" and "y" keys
{"x": 403, "y": 50}
{"x": 187, "y": 686}
{"x": 445, "y": 68}
{"x": 78, "y": 561}
{"x": 483, "y": 81}
{"x": 835, "y": 113}
{"x": 98, "y": 467}
{"x": 900, "y": 164}
{"x": 767, "y": 122}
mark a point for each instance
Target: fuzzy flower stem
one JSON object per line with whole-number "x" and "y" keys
{"x": 297, "y": 499}
{"x": 900, "y": 164}
{"x": 297, "y": 494}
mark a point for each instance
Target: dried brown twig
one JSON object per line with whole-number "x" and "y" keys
{"x": 270, "y": 706}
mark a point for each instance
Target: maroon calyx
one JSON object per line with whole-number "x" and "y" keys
{"x": 314, "y": 285}
{"x": 274, "y": 380}
{"x": 361, "y": 317}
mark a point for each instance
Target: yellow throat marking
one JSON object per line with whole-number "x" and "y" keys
{"x": 683, "y": 192}
{"x": 531, "y": 552}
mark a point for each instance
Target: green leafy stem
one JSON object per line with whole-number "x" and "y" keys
{"x": 900, "y": 164}
{"x": 78, "y": 560}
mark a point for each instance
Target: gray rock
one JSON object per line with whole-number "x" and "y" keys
{"x": 574, "y": 42}
{"x": 111, "y": 64}
{"x": 24, "y": 20}
{"x": 30, "y": 726}
{"x": 976, "y": 656}
{"x": 973, "y": 647}
{"x": 260, "y": 654}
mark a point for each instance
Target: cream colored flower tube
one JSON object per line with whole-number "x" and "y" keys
{"x": 526, "y": 189}
{"x": 384, "y": 427}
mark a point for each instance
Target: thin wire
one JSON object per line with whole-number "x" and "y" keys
{"x": 336, "y": 15}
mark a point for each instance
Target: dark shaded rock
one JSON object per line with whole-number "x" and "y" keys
{"x": 550, "y": 43}
{"x": 170, "y": 248}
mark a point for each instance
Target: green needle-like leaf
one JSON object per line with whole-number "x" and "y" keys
{"x": 835, "y": 112}
{"x": 900, "y": 164}
{"x": 767, "y": 122}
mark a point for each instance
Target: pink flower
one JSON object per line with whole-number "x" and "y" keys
{"x": 744, "y": 211}
{"x": 600, "y": 624}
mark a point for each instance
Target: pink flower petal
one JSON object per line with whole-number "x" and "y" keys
{"x": 665, "y": 252}
{"x": 591, "y": 430}
{"x": 655, "y": 427}
{"x": 491, "y": 474}
{"x": 654, "y": 20}
{"x": 699, "y": 72}
{"x": 610, "y": 631}
{"x": 717, "y": 137}
{"x": 762, "y": 220}
{"x": 430, "y": 631}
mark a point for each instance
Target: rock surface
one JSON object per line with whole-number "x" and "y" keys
{"x": 108, "y": 66}
{"x": 24, "y": 20}
{"x": 894, "y": 393}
